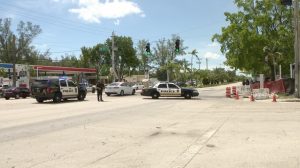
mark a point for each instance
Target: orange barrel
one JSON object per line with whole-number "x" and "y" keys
{"x": 228, "y": 92}
{"x": 234, "y": 90}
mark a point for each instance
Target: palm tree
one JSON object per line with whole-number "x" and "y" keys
{"x": 272, "y": 58}
{"x": 194, "y": 53}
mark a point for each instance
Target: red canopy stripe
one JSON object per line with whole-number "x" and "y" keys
{"x": 66, "y": 69}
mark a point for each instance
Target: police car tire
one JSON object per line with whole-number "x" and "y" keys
{"x": 122, "y": 93}
{"x": 81, "y": 96}
{"x": 39, "y": 100}
{"x": 155, "y": 95}
{"x": 7, "y": 98}
{"x": 133, "y": 92}
{"x": 188, "y": 96}
{"x": 57, "y": 98}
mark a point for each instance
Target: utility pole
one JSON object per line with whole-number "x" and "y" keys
{"x": 113, "y": 57}
{"x": 192, "y": 69}
{"x": 206, "y": 63}
{"x": 168, "y": 71}
{"x": 14, "y": 59}
{"x": 199, "y": 63}
{"x": 296, "y": 47}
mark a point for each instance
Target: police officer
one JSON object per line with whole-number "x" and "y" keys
{"x": 100, "y": 88}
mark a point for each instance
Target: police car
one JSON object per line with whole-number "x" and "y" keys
{"x": 166, "y": 89}
{"x": 57, "y": 90}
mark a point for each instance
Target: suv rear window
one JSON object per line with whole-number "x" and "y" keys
{"x": 51, "y": 82}
{"x": 40, "y": 82}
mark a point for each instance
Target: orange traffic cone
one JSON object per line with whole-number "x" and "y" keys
{"x": 274, "y": 98}
{"x": 252, "y": 98}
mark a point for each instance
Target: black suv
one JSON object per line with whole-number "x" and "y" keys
{"x": 56, "y": 90}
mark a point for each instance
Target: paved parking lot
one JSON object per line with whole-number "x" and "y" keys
{"x": 135, "y": 131}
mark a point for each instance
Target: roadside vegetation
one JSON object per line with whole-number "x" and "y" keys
{"x": 258, "y": 39}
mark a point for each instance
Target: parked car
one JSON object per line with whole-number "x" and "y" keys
{"x": 3, "y": 87}
{"x": 119, "y": 88}
{"x": 16, "y": 92}
{"x": 138, "y": 86}
{"x": 89, "y": 87}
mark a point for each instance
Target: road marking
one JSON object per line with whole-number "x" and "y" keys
{"x": 188, "y": 155}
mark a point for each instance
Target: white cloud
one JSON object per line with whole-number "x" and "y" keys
{"x": 94, "y": 11}
{"x": 65, "y": 1}
{"x": 211, "y": 55}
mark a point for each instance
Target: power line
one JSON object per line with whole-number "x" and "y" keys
{"x": 54, "y": 19}
{"x": 56, "y": 22}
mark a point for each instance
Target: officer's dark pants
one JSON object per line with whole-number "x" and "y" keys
{"x": 99, "y": 95}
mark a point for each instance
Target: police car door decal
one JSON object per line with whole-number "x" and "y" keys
{"x": 72, "y": 88}
{"x": 174, "y": 90}
{"x": 63, "y": 87}
{"x": 163, "y": 89}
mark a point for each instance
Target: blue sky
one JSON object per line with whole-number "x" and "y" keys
{"x": 69, "y": 25}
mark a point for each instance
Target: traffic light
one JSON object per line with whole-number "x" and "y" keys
{"x": 286, "y": 2}
{"x": 177, "y": 46}
{"x": 148, "y": 48}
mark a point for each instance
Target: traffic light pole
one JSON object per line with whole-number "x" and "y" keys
{"x": 297, "y": 48}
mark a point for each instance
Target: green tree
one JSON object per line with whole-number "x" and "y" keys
{"x": 3, "y": 73}
{"x": 96, "y": 57}
{"x": 256, "y": 25}
{"x": 14, "y": 46}
{"x": 125, "y": 55}
{"x": 145, "y": 59}
{"x": 164, "y": 56}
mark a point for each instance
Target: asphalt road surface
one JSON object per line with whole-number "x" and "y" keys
{"x": 208, "y": 131}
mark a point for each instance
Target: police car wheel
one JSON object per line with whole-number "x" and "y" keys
{"x": 122, "y": 93}
{"x": 188, "y": 96}
{"x": 6, "y": 98}
{"x": 57, "y": 98}
{"x": 155, "y": 95}
{"x": 133, "y": 92}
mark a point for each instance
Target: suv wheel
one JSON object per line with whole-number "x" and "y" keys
{"x": 81, "y": 96}
{"x": 39, "y": 100}
{"x": 6, "y": 98}
{"x": 57, "y": 98}
{"x": 155, "y": 95}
